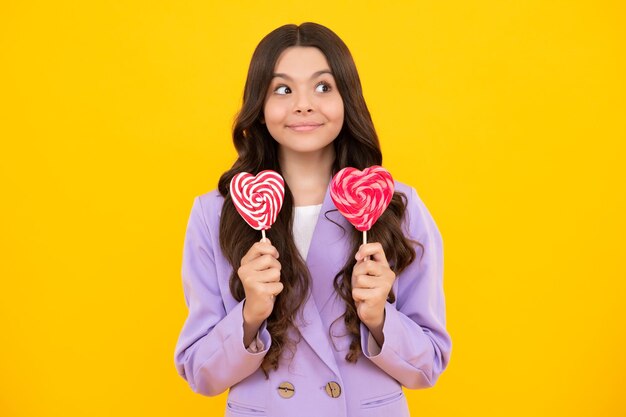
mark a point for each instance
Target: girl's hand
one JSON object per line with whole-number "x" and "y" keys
{"x": 371, "y": 283}
{"x": 260, "y": 275}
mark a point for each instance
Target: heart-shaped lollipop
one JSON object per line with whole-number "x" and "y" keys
{"x": 362, "y": 196}
{"x": 258, "y": 198}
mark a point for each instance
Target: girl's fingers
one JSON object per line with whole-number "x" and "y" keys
{"x": 368, "y": 267}
{"x": 264, "y": 262}
{"x": 275, "y": 288}
{"x": 269, "y": 276}
{"x": 268, "y": 271}
{"x": 365, "y": 281}
{"x": 373, "y": 250}
{"x": 360, "y": 295}
{"x": 259, "y": 249}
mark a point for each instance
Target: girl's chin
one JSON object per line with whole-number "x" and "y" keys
{"x": 306, "y": 149}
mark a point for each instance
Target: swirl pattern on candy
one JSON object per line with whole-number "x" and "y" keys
{"x": 362, "y": 196}
{"x": 258, "y": 198}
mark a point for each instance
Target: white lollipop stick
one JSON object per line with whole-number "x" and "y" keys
{"x": 263, "y": 235}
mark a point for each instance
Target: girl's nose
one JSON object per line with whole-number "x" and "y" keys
{"x": 303, "y": 104}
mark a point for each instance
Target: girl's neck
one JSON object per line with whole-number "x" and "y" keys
{"x": 307, "y": 174}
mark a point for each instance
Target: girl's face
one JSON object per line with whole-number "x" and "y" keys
{"x": 303, "y": 109}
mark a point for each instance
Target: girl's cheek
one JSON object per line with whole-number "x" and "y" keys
{"x": 269, "y": 114}
{"x": 275, "y": 108}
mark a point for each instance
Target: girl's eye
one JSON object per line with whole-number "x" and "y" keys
{"x": 283, "y": 89}
{"x": 322, "y": 87}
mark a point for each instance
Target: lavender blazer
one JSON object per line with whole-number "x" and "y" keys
{"x": 211, "y": 357}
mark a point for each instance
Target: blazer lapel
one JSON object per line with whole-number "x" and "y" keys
{"x": 328, "y": 251}
{"x": 316, "y": 334}
{"x": 327, "y": 255}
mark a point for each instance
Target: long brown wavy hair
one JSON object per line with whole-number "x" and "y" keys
{"x": 356, "y": 146}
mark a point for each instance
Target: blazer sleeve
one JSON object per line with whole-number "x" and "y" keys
{"x": 210, "y": 353}
{"x": 417, "y": 346}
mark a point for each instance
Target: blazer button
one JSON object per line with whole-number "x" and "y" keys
{"x": 286, "y": 390}
{"x": 333, "y": 389}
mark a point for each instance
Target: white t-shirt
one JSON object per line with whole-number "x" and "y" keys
{"x": 304, "y": 221}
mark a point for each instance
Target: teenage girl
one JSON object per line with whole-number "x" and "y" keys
{"x": 310, "y": 322}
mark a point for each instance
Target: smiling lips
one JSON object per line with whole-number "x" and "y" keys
{"x": 304, "y": 127}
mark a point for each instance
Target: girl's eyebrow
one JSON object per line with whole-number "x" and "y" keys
{"x": 315, "y": 74}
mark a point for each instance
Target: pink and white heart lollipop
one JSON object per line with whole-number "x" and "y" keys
{"x": 258, "y": 198}
{"x": 362, "y": 196}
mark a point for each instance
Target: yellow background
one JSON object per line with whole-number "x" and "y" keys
{"x": 507, "y": 117}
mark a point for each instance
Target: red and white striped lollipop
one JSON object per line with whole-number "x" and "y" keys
{"x": 258, "y": 198}
{"x": 362, "y": 196}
